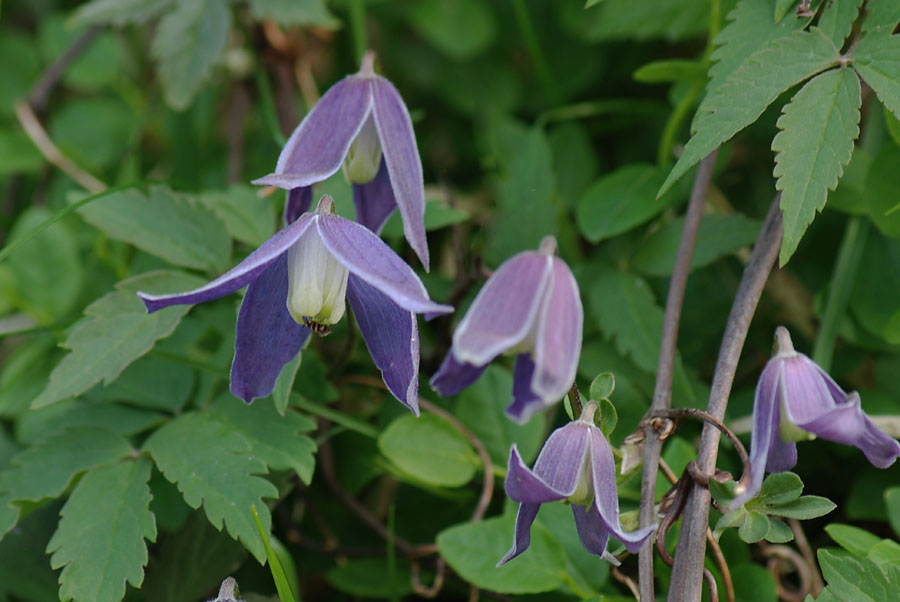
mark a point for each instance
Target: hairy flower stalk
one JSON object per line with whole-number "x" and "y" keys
{"x": 576, "y": 465}
{"x": 795, "y": 401}
{"x": 362, "y": 124}
{"x": 531, "y": 307}
{"x": 300, "y": 280}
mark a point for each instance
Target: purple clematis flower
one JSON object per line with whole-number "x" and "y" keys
{"x": 797, "y": 400}
{"x": 299, "y": 280}
{"x": 359, "y": 121}
{"x": 576, "y": 465}
{"x": 530, "y": 306}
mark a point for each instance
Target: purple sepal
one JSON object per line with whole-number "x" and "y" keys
{"x": 591, "y": 531}
{"x": 765, "y": 428}
{"x": 522, "y": 538}
{"x": 297, "y": 203}
{"x": 266, "y": 337}
{"x": 525, "y": 402}
{"x": 557, "y": 342}
{"x": 453, "y": 376}
{"x": 392, "y": 336}
{"x": 404, "y": 166}
{"x": 237, "y": 277}
{"x": 556, "y": 471}
{"x": 374, "y": 201}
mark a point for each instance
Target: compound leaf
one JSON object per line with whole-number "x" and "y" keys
{"x": 877, "y": 60}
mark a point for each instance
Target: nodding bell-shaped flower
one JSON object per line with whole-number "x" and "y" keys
{"x": 300, "y": 280}
{"x": 361, "y": 123}
{"x": 575, "y": 465}
{"x": 796, "y": 400}
{"x": 530, "y": 306}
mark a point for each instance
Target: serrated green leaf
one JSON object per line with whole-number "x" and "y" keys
{"x": 837, "y": 19}
{"x": 852, "y": 580}
{"x": 275, "y": 439}
{"x": 473, "y": 549}
{"x": 118, "y": 418}
{"x": 118, "y": 12}
{"x": 189, "y": 41}
{"x": 754, "y": 527}
{"x": 780, "y": 488}
{"x": 100, "y": 540}
{"x": 115, "y": 331}
{"x": 248, "y": 217}
{"x": 47, "y": 468}
{"x": 805, "y": 508}
{"x": 877, "y": 60}
{"x": 172, "y": 226}
{"x": 778, "y": 532}
{"x": 291, "y": 12}
{"x": 621, "y": 200}
{"x": 748, "y": 91}
{"x": 719, "y": 235}
{"x": 853, "y": 539}
{"x": 429, "y": 449}
{"x": 881, "y": 13}
{"x": 212, "y": 464}
{"x": 818, "y": 128}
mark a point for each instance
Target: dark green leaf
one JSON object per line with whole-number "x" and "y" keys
{"x": 780, "y": 488}
{"x": 837, "y": 19}
{"x": 892, "y": 500}
{"x": 461, "y": 29}
{"x": 24, "y": 571}
{"x": 876, "y": 294}
{"x": 369, "y": 578}
{"x": 624, "y": 19}
{"x": 883, "y": 191}
{"x": 429, "y": 449}
{"x": 753, "y": 583}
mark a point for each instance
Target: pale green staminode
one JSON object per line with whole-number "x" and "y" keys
{"x": 364, "y": 157}
{"x": 787, "y": 430}
{"x": 584, "y": 490}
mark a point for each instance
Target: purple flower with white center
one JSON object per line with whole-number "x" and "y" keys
{"x": 529, "y": 306}
{"x": 299, "y": 280}
{"x": 796, "y": 400}
{"x": 576, "y": 465}
{"x": 358, "y": 122}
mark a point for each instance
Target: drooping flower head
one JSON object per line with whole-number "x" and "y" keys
{"x": 529, "y": 306}
{"x": 300, "y": 280}
{"x": 797, "y": 400}
{"x": 576, "y": 464}
{"x": 361, "y": 123}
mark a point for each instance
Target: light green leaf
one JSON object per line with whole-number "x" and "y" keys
{"x": 781, "y": 8}
{"x": 749, "y": 90}
{"x": 295, "y": 12}
{"x": 719, "y": 235}
{"x": 671, "y": 70}
{"x": 189, "y": 41}
{"x": 805, "y": 508}
{"x": 437, "y": 216}
{"x": 608, "y": 416}
{"x": 621, "y": 200}
{"x": 852, "y": 580}
{"x": 753, "y": 583}
{"x": 213, "y": 464}
{"x": 778, "y": 532}
{"x": 473, "y": 549}
{"x": 276, "y": 439}
{"x": 754, "y": 528}
{"x": 47, "y": 468}
{"x": 169, "y": 225}
{"x": 837, "y": 19}
{"x": 881, "y": 13}
{"x": 818, "y": 128}
{"x": 248, "y": 217}
{"x": 780, "y": 488}
{"x": 877, "y": 60}
{"x": 115, "y": 331}
{"x": 885, "y": 552}
{"x": 429, "y": 449}
{"x": 118, "y": 12}
{"x": 883, "y": 191}
{"x": 461, "y": 29}
{"x": 100, "y": 540}
{"x": 482, "y": 408}
{"x": 602, "y": 386}
{"x": 853, "y": 539}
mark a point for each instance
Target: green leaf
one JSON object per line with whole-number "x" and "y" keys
{"x": 805, "y": 508}
{"x": 281, "y": 394}
{"x": 609, "y": 418}
{"x": 142, "y": 384}
{"x": 778, "y": 532}
{"x": 881, "y": 13}
{"x": 876, "y": 292}
{"x": 528, "y": 204}
{"x": 115, "y": 331}
{"x": 852, "y": 580}
{"x": 275, "y": 439}
{"x": 461, "y": 29}
{"x": 100, "y": 540}
{"x": 118, "y": 418}
{"x": 883, "y": 191}
{"x": 46, "y": 271}
{"x": 892, "y": 500}
{"x": 587, "y": 575}
{"x": 753, "y": 583}
{"x": 213, "y": 464}
{"x": 621, "y": 200}
{"x": 46, "y": 469}
{"x": 100, "y": 65}
{"x": 853, "y": 539}
{"x": 850, "y": 194}
{"x": 885, "y": 552}
{"x": 837, "y": 19}
{"x": 169, "y": 225}
{"x": 671, "y": 70}
{"x": 18, "y": 154}
{"x": 482, "y": 408}
{"x": 291, "y": 12}
{"x": 24, "y": 571}
{"x": 473, "y": 549}
{"x": 429, "y": 449}
{"x": 281, "y": 585}
{"x": 877, "y": 60}
{"x": 368, "y": 578}
{"x": 625, "y": 19}
{"x": 189, "y": 41}
{"x": 719, "y": 235}
{"x": 602, "y": 386}
{"x": 754, "y": 528}
{"x": 818, "y": 128}
{"x": 437, "y": 216}
{"x": 780, "y": 488}
{"x": 248, "y": 217}
{"x": 575, "y": 162}
{"x": 781, "y": 8}
{"x": 20, "y": 67}
{"x": 118, "y": 12}
{"x": 749, "y": 90}
{"x": 94, "y": 131}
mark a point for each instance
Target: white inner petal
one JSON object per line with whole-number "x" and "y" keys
{"x": 584, "y": 490}
{"x": 364, "y": 156}
{"x": 317, "y": 282}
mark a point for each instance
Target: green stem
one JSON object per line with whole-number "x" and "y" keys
{"x": 595, "y": 108}
{"x": 845, "y": 268}
{"x": 352, "y": 424}
{"x": 358, "y": 28}
{"x": 270, "y": 116}
{"x": 673, "y": 124}
{"x": 529, "y": 36}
